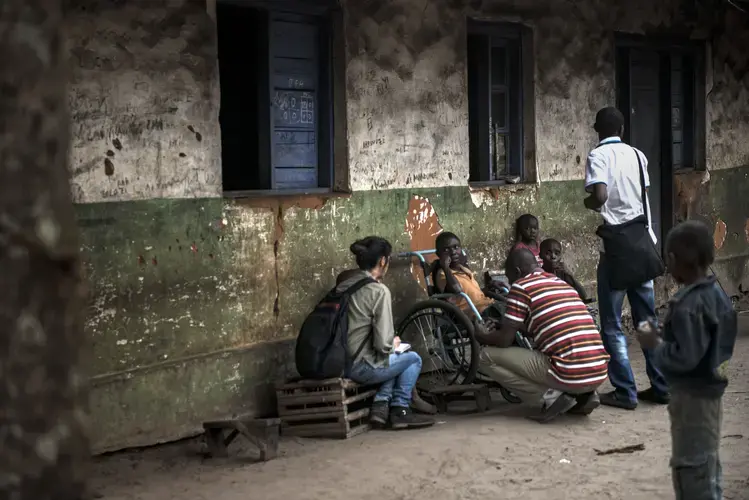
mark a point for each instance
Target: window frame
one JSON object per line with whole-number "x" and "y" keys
{"x": 331, "y": 128}
{"x": 522, "y": 140}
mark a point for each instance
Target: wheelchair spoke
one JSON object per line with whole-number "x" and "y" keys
{"x": 447, "y": 346}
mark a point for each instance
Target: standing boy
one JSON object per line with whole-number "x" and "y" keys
{"x": 612, "y": 179}
{"x": 698, "y": 339}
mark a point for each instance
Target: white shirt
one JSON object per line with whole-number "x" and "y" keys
{"x": 614, "y": 163}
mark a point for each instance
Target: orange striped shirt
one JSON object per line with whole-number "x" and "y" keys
{"x": 561, "y": 328}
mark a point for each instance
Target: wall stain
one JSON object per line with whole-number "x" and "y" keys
{"x": 108, "y": 167}
{"x": 719, "y": 235}
{"x": 422, "y": 226}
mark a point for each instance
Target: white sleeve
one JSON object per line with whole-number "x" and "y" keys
{"x": 595, "y": 171}
{"x": 644, "y": 161}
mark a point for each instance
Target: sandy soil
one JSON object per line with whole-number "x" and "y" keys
{"x": 497, "y": 454}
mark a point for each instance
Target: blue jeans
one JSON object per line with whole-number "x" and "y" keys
{"x": 642, "y": 303}
{"x": 398, "y": 378}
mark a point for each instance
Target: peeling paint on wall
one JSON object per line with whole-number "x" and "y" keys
{"x": 690, "y": 189}
{"x": 144, "y": 105}
{"x": 719, "y": 234}
{"x": 422, "y": 227}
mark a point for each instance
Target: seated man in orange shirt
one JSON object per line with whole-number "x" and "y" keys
{"x": 454, "y": 276}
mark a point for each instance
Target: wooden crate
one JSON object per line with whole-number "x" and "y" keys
{"x": 334, "y": 408}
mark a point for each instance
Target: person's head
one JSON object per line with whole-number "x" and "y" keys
{"x": 448, "y": 245}
{"x": 689, "y": 251}
{"x": 520, "y": 263}
{"x": 373, "y": 255}
{"x": 551, "y": 253}
{"x": 526, "y": 228}
{"x": 609, "y": 123}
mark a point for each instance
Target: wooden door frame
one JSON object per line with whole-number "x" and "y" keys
{"x": 623, "y": 43}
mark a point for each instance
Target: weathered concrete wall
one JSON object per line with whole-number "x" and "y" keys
{"x": 144, "y": 100}
{"x": 195, "y": 300}
{"x": 727, "y": 90}
{"x": 407, "y": 96}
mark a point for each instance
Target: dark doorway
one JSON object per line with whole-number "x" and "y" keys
{"x": 655, "y": 87}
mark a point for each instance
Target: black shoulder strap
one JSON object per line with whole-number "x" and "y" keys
{"x": 358, "y": 285}
{"x": 643, "y": 193}
{"x": 361, "y": 348}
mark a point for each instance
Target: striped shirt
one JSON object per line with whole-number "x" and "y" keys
{"x": 561, "y": 328}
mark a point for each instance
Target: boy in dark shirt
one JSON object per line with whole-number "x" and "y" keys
{"x": 698, "y": 340}
{"x": 551, "y": 255}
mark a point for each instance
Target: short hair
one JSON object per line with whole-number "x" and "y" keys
{"x": 609, "y": 121}
{"x": 370, "y": 250}
{"x": 522, "y": 221}
{"x": 523, "y": 259}
{"x": 442, "y": 239}
{"x": 547, "y": 243}
{"x": 691, "y": 244}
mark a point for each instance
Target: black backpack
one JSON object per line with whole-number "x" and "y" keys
{"x": 322, "y": 344}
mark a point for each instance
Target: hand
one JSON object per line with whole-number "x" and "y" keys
{"x": 445, "y": 261}
{"x": 480, "y": 331}
{"x": 559, "y": 266}
{"x": 396, "y": 342}
{"x": 591, "y": 203}
{"x": 648, "y": 337}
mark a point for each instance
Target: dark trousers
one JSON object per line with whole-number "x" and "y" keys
{"x": 695, "y": 444}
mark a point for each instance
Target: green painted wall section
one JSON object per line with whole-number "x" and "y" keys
{"x": 174, "y": 278}
{"x": 194, "y": 303}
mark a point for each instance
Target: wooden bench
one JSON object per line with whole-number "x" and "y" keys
{"x": 261, "y": 432}
{"x": 333, "y": 408}
{"x": 470, "y": 392}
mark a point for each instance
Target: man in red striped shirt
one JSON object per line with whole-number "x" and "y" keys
{"x": 568, "y": 362}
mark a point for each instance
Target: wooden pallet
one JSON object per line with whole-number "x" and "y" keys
{"x": 262, "y": 432}
{"x": 470, "y": 392}
{"x": 334, "y": 408}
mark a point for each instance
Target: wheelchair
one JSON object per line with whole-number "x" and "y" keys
{"x": 444, "y": 335}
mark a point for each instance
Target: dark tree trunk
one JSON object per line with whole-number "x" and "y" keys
{"x": 43, "y": 449}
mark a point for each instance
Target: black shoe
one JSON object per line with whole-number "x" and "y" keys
{"x": 561, "y": 405}
{"x": 402, "y": 418}
{"x": 612, "y": 399}
{"x": 653, "y": 396}
{"x": 586, "y": 403}
{"x": 378, "y": 414}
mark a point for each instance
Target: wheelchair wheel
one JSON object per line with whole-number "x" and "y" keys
{"x": 443, "y": 335}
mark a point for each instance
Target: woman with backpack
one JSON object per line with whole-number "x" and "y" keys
{"x": 371, "y": 336}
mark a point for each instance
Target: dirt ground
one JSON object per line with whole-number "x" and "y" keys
{"x": 498, "y": 454}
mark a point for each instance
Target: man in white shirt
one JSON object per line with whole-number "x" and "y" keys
{"x": 612, "y": 177}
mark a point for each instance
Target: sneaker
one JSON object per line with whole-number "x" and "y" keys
{"x": 402, "y": 418}
{"x": 378, "y": 414}
{"x": 586, "y": 403}
{"x": 653, "y": 396}
{"x": 561, "y": 405}
{"x": 612, "y": 399}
